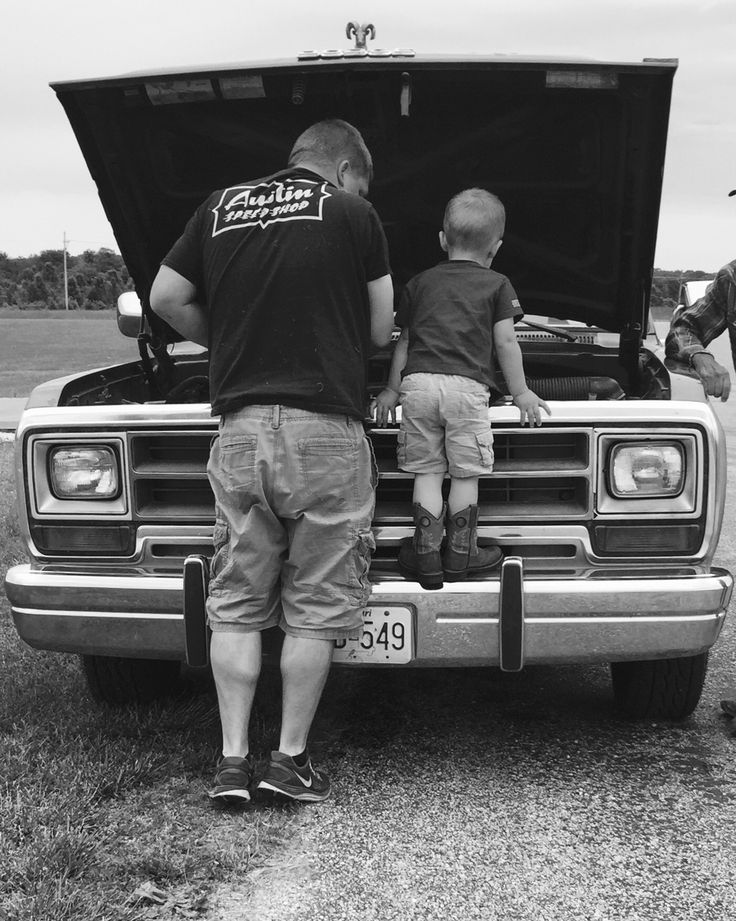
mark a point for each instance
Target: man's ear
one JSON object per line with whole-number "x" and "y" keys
{"x": 443, "y": 240}
{"x": 342, "y": 167}
{"x": 495, "y": 248}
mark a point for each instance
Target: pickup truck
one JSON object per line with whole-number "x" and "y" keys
{"x": 608, "y": 515}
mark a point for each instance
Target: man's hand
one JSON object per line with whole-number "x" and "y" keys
{"x": 529, "y": 405}
{"x": 715, "y": 377}
{"x": 384, "y": 406}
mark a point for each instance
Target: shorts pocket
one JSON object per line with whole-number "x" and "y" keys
{"x": 485, "y": 450}
{"x": 220, "y": 556}
{"x": 329, "y": 467}
{"x": 235, "y": 457}
{"x": 401, "y": 448}
{"x": 238, "y": 452}
{"x": 360, "y": 587}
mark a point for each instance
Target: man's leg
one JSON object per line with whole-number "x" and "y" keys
{"x": 236, "y": 664}
{"x": 305, "y": 665}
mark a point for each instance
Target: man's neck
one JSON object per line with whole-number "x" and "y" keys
{"x": 317, "y": 168}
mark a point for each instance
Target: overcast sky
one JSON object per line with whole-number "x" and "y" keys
{"x": 46, "y": 192}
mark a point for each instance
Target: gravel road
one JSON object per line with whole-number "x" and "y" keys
{"x": 476, "y": 795}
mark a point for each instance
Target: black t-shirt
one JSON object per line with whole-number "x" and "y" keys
{"x": 281, "y": 264}
{"x": 450, "y": 311}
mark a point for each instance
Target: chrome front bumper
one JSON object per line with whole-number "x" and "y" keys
{"x": 507, "y": 621}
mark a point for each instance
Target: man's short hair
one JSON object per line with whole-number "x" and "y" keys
{"x": 329, "y": 141}
{"x": 474, "y": 220}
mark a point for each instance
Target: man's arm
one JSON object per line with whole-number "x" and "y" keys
{"x": 694, "y": 328}
{"x": 174, "y": 299}
{"x": 510, "y": 360}
{"x": 386, "y": 401}
{"x": 381, "y": 298}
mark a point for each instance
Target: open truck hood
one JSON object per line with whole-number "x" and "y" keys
{"x": 575, "y": 150}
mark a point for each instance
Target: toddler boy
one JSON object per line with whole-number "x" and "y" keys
{"x": 452, "y": 318}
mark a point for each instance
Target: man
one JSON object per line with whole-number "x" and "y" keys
{"x": 695, "y": 327}
{"x": 286, "y": 280}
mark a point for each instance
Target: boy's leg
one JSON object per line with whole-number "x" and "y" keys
{"x": 428, "y": 492}
{"x": 419, "y": 555}
{"x": 462, "y": 555}
{"x": 463, "y": 492}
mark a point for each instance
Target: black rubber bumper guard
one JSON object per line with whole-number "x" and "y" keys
{"x": 196, "y": 631}
{"x": 511, "y": 615}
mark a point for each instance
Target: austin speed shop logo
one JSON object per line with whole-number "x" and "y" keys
{"x": 269, "y": 203}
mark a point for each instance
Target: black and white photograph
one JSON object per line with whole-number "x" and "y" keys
{"x": 327, "y": 592}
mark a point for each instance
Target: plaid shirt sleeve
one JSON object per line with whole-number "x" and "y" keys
{"x": 698, "y": 325}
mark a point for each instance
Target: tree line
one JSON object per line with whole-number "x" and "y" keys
{"x": 95, "y": 279}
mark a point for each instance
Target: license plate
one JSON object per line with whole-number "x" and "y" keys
{"x": 386, "y": 638}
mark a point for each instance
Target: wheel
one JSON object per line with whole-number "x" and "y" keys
{"x": 112, "y": 680}
{"x": 661, "y": 688}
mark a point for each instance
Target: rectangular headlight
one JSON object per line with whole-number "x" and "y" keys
{"x": 84, "y": 472}
{"x": 646, "y": 470}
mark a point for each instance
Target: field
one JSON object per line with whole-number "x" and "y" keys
{"x": 38, "y": 345}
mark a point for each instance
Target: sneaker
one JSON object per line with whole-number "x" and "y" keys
{"x": 232, "y": 780}
{"x": 299, "y": 783}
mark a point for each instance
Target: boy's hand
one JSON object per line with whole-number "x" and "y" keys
{"x": 384, "y": 406}
{"x": 529, "y": 404}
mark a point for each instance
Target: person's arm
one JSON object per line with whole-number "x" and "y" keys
{"x": 694, "y": 328}
{"x": 381, "y": 299}
{"x": 174, "y": 299}
{"x": 386, "y": 401}
{"x": 510, "y": 361}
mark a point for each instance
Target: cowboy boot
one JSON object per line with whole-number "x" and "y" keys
{"x": 462, "y": 556}
{"x": 419, "y": 556}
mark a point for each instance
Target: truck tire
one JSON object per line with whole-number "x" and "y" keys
{"x": 661, "y": 688}
{"x": 117, "y": 681}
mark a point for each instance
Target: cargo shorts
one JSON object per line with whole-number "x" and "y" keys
{"x": 444, "y": 426}
{"x": 295, "y": 494}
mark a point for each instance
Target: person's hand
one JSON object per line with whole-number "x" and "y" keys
{"x": 715, "y": 377}
{"x": 384, "y": 406}
{"x": 529, "y": 406}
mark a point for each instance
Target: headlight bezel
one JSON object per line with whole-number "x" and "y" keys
{"x": 45, "y": 504}
{"x": 686, "y": 503}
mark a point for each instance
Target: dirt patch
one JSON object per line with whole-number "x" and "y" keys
{"x": 274, "y": 891}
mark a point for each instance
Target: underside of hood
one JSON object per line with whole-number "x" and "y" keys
{"x": 575, "y": 150}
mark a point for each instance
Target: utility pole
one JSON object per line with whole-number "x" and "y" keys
{"x": 66, "y": 280}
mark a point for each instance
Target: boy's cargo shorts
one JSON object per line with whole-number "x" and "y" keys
{"x": 294, "y": 495}
{"x": 445, "y": 426}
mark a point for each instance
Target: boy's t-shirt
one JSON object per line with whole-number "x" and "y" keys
{"x": 283, "y": 264}
{"x": 450, "y": 311}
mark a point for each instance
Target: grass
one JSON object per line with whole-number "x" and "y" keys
{"x": 39, "y": 345}
{"x": 103, "y": 813}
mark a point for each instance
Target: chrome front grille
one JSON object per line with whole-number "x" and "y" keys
{"x": 541, "y": 477}
{"x": 538, "y": 474}
{"x": 168, "y": 476}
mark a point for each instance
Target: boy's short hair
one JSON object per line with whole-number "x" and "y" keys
{"x": 331, "y": 140}
{"x": 474, "y": 220}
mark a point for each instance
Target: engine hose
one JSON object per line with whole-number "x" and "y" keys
{"x": 576, "y": 388}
